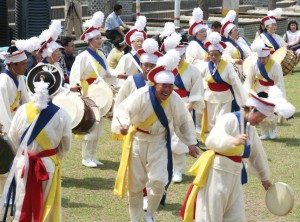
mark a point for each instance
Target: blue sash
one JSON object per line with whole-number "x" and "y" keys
{"x": 136, "y": 58}
{"x": 217, "y": 77}
{"x": 139, "y": 80}
{"x": 44, "y": 117}
{"x": 263, "y": 70}
{"x": 160, "y": 113}
{"x": 272, "y": 40}
{"x": 236, "y": 46}
{"x": 201, "y": 44}
{"x": 97, "y": 57}
{"x": 7, "y": 72}
{"x": 247, "y": 151}
{"x": 179, "y": 83}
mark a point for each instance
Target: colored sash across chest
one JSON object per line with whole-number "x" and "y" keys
{"x": 97, "y": 57}
{"x": 139, "y": 80}
{"x": 264, "y": 70}
{"x": 181, "y": 91}
{"x": 216, "y": 83}
{"x": 136, "y": 61}
{"x": 272, "y": 41}
{"x": 202, "y": 46}
{"x": 240, "y": 50}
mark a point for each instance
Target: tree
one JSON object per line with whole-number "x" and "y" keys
{"x": 203, "y": 4}
{"x": 109, "y": 6}
{"x": 272, "y": 4}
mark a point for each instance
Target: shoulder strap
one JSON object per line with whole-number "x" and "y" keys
{"x": 139, "y": 80}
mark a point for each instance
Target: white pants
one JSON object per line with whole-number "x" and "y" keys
{"x": 179, "y": 150}
{"x": 268, "y": 125}
{"x": 222, "y": 199}
{"x": 214, "y": 110}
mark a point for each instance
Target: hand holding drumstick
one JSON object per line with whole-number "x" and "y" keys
{"x": 124, "y": 128}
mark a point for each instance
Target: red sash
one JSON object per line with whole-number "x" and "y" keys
{"x": 218, "y": 87}
{"x": 90, "y": 80}
{"x": 266, "y": 83}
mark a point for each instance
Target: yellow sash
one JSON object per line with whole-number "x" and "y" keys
{"x": 268, "y": 67}
{"x": 183, "y": 65}
{"x": 53, "y": 199}
{"x": 205, "y": 55}
{"x": 200, "y": 170}
{"x": 120, "y": 185}
{"x": 236, "y": 54}
{"x": 16, "y": 102}
{"x": 204, "y": 124}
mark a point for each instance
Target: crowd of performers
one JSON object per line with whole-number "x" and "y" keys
{"x": 173, "y": 97}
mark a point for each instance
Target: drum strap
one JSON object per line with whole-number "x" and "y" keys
{"x": 272, "y": 40}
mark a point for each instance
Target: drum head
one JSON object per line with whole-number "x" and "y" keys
{"x": 248, "y": 63}
{"x": 102, "y": 95}
{"x": 280, "y": 199}
{"x": 72, "y": 103}
{"x": 6, "y": 155}
{"x": 279, "y": 54}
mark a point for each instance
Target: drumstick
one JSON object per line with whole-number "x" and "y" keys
{"x": 120, "y": 122}
{"x": 242, "y": 123}
{"x": 79, "y": 89}
{"x": 247, "y": 132}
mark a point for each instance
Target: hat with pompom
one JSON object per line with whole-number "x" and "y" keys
{"x": 14, "y": 55}
{"x": 273, "y": 15}
{"x": 260, "y": 48}
{"x": 93, "y": 25}
{"x": 166, "y": 68}
{"x": 169, "y": 28}
{"x": 214, "y": 42}
{"x": 137, "y": 31}
{"x": 227, "y": 23}
{"x": 149, "y": 52}
{"x": 174, "y": 42}
{"x": 196, "y": 23}
{"x": 48, "y": 38}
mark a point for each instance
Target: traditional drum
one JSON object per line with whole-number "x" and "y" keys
{"x": 248, "y": 63}
{"x": 6, "y": 154}
{"x": 102, "y": 95}
{"x": 286, "y": 58}
{"x": 280, "y": 199}
{"x": 79, "y": 109}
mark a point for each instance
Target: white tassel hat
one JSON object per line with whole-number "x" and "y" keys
{"x": 260, "y": 48}
{"x": 149, "y": 52}
{"x": 137, "y": 31}
{"x": 93, "y": 26}
{"x": 227, "y": 23}
{"x": 214, "y": 42}
{"x": 196, "y": 22}
{"x": 272, "y": 16}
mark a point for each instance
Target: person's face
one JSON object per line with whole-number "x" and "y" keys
{"x": 272, "y": 28}
{"x": 137, "y": 44}
{"x": 234, "y": 33}
{"x": 264, "y": 60}
{"x": 255, "y": 118}
{"x": 215, "y": 56}
{"x": 56, "y": 55}
{"x": 19, "y": 68}
{"x": 293, "y": 27}
{"x": 201, "y": 35}
{"x": 146, "y": 67}
{"x": 118, "y": 12}
{"x": 70, "y": 48}
{"x": 96, "y": 42}
{"x": 163, "y": 91}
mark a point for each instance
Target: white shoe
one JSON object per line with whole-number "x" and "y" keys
{"x": 148, "y": 218}
{"x": 97, "y": 162}
{"x": 264, "y": 136}
{"x": 88, "y": 163}
{"x": 145, "y": 203}
{"x": 177, "y": 177}
{"x": 273, "y": 134}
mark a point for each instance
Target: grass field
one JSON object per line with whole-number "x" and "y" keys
{"x": 87, "y": 194}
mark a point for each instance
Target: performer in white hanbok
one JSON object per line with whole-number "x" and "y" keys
{"x": 129, "y": 63}
{"x": 269, "y": 36}
{"x": 41, "y": 133}
{"x": 223, "y": 85}
{"x": 263, "y": 73}
{"x": 196, "y": 53}
{"x": 237, "y": 49}
{"x": 90, "y": 67}
{"x": 188, "y": 85}
{"x": 13, "y": 92}
{"x": 151, "y": 111}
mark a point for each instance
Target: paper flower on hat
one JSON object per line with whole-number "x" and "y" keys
{"x": 169, "y": 28}
{"x": 214, "y": 42}
{"x": 149, "y": 51}
{"x": 227, "y": 23}
{"x": 28, "y": 45}
{"x": 260, "y": 48}
{"x": 196, "y": 22}
{"x": 49, "y": 37}
{"x": 93, "y": 25}
{"x": 166, "y": 68}
{"x": 137, "y": 31}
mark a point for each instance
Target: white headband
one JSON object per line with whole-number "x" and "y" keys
{"x": 14, "y": 58}
{"x": 164, "y": 77}
{"x": 136, "y": 35}
{"x": 149, "y": 58}
{"x": 50, "y": 48}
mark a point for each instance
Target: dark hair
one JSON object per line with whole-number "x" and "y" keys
{"x": 65, "y": 41}
{"x": 117, "y": 7}
{"x": 247, "y": 109}
{"x": 117, "y": 42}
{"x": 292, "y": 22}
{"x": 263, "y": 94}
{"x": 216, "y": 24}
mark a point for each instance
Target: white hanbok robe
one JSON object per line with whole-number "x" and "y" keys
{"x": 222, "y": 197}
{"x": 277, "y": 38}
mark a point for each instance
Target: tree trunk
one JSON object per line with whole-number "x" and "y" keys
{"x": 203, "y": 4}
{"x": 109, "y": 6}
{"x": 272, "y": 4}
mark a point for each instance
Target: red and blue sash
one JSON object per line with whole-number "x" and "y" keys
{"x": 263, "y": 70}
{"x": 97, "y": 57}
{"x": 272, "y": 41}
{"x": 161, "y": 115}
{"x": 139, "y": 80}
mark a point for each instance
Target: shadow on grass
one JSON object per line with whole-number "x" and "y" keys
{"x": 172, "y": 207}
{"x": 67, "y": 204}
{"x": 287, "y": 141}
{"x": 108, "y": 165}
{"x": 90, "y": 183}
{"x": 297, "y": 114}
